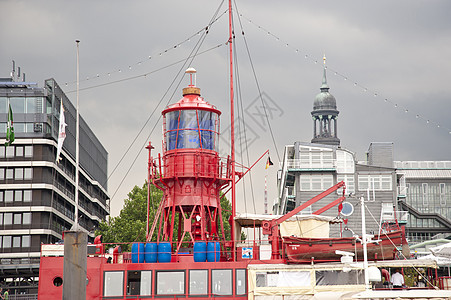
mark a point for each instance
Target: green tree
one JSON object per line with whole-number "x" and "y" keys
{"x": 130, "y": 224}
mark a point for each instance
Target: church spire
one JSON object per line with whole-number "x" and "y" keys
{"x": 325, "y": 115}
{"x": 324, "y": 86}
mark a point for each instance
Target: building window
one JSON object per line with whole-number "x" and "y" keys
{"x": 3, "y": 104}
{"x": 2, "y": 172}
{"x": 19, "y": 127}
{"x": 28, "y": 151}
{"x": 113, "y": 283}
{"x": 26, "y": 220}
{"x": 315, "y": 158}
{"x": 17, "y": 104}
{"x": 221, "y": 281}
{"x": 1, "y": 196}
{"x": 338, "y": 277}
{"x": 16, "y": 241}
{"x": 10, "y": 149}
{"x": 170, "y": 282}
{"x": 27, "y": 195}
{"x": 31, "y": 105}
{"x": 442, "y": 194}
{"x": 375, "y": 182}
{"x": 17, "y": 219}
{"x": 19, "y": 151}
{"x": 6, "y": 241}
{"x": 425, "y": 192}
{"x": 26, "y": 241}
{"x": 316, "y": 182}
{"x": 198, "y": 282}
{"x": 18, "y": 174}
{"x": 345, "y": 162}
{"x": 28, "y": 173}
{"x": 9, "y": 173}
{"x": 9, "y": 196}
{"x": 1, "y": 218}
{"x": 8, "y": 219}
{"x": 2, "y": 149}
{"x": 29, "y": 127}
{"x": 18, "y": 196}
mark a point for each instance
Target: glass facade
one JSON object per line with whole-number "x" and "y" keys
{"x": 430, "y": 197}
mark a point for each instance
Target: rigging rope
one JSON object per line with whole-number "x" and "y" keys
{"x": 355, "y": 83}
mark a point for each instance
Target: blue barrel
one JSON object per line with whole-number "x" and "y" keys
{"x": 164, "y": 252}
{"x": 137, "y": 252}
{"x": 200, "y": 251}
{"x": 151, "y": 251}
{"x": 213, "y": 251}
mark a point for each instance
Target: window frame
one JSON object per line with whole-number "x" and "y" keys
{"x": 157, "y": 272}
{"x": 206, "y": 283}
{"x": 236, "y": 282}
{"x": 104, "y": 281}
{"x": 212, "y": 290}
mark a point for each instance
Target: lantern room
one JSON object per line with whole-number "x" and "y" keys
{"x": 191, "y": 123}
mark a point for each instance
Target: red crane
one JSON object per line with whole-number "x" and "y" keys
{"x": 272, "y": 229}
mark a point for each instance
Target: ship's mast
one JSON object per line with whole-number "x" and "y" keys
{"x": 232, "y": 134}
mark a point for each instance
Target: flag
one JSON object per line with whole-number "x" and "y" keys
{"x": 268, "y": 163}
{"x": 61, "y": 132}
{"x": 9, "y": 128}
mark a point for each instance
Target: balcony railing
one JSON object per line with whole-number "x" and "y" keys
{"x": 306, "y": 164}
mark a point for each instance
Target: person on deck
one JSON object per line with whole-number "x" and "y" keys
{"x": 397, "y": 279}
{"x": 5, "y": 296}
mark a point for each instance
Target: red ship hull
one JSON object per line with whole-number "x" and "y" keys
{"x": 302, "y": 250}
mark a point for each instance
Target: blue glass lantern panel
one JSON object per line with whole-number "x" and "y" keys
{"x": 183, "y": 127}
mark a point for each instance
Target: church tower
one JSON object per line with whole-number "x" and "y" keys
{"x": 325, "y": 115}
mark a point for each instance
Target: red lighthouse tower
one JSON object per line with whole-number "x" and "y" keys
{"x": 190, "y": 172}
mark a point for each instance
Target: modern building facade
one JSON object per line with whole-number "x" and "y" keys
{"x": 37, "y": 195}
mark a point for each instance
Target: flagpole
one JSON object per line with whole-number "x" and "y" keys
{"x": 266, "y": 193}
{"x": 77, "y": 139}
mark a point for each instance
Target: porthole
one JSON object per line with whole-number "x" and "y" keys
{"x": 58, "y": 281}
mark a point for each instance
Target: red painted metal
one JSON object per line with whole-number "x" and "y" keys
{"x": 301, "y": 250}
{"x": 190, "y": 172}
{"x": 272, "y": 229}
{"x": 52, "y": 268}
{"x": 329, "y": 206}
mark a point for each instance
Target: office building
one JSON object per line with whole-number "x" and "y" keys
{"x": 37, "y": 195}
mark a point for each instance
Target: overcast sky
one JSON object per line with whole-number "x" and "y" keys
{"x": 394, "y": 50}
